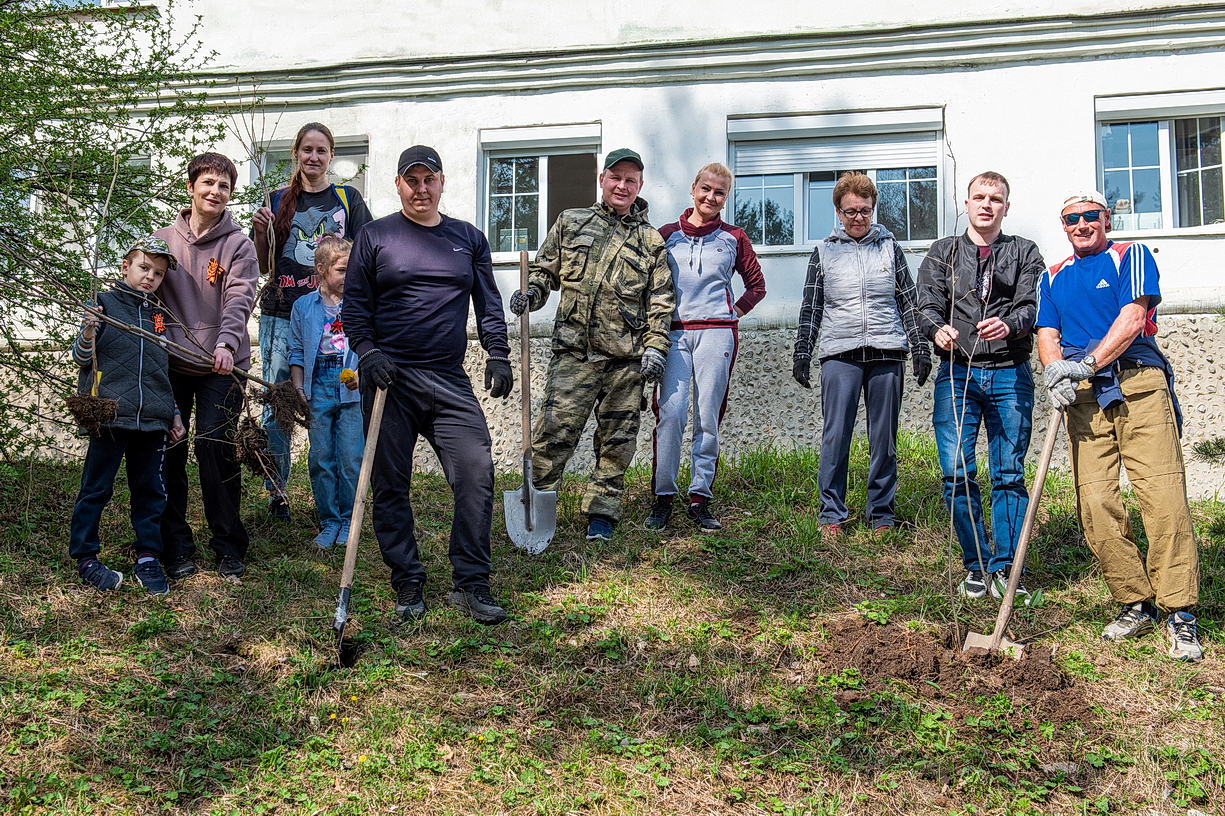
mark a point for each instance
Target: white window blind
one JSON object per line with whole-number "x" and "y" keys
{"x": 833, "y": 154}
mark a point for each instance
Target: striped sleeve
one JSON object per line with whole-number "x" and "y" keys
{"x": 813, "y": 308}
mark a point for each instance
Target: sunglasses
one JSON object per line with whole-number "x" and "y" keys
{"x": 1091, "y": 217}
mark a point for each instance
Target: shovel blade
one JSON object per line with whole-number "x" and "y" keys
{"x": 544, "y": 519}
{"x": 1009, "y": 647}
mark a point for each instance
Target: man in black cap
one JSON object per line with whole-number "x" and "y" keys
{"x": 610, "y": 335}
{"x": 411, "y": 276}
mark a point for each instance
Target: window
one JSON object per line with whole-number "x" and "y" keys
{"x": 531, "y": 175}
{"x": 1159, "y": 159}
{"x": 348, "y": 164}
{"x": 784, "y": 184}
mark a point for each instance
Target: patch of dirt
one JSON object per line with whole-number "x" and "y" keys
{"x": 937, "y": 668}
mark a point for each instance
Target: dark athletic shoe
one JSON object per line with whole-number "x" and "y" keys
{"x": 99, "y": 575}
{"x": 182, "y": 568}
{"x": 974, "y": 586}
{"x": 701, "y": 515}
{"x": 230, "y": 567}
{"x": 150, "y": 576}
{"x": 278, "y": 508}
{"x": 657, "y": 519}
{"x": 599, "y": 527}
{"x": 479, "y": 603}
{"x": 410, "y": 603}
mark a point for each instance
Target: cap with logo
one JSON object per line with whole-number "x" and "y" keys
{"x": 152, "y": 245}
{"x": 419, "y": 154}
{"x": 624, "y": 154}
{"x": 1092, "y": 196}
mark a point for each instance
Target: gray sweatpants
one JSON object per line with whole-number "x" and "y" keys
{"x": 703, "y": 357}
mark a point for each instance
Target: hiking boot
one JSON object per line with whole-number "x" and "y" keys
{"x": 657, "y": 519}
{"x": 150, "y": 576}
{"x": 181, "y": 568}
{"x": 278, "y": 508}
{"x": 328, "y": 537}
{"x": 479, "y": 603}
{"x": 99, "y": 575}
{"x": 701, "y": 515}
{"x": 597, "y": 527}
{"x": 999, "y": 584}
{"x": 1180, "y": 628}
{"x": 974, "y": 585}
{"x": 1133, "y": 621}
{"x": 230, "y": 566}
{"x": 410, "y": 602}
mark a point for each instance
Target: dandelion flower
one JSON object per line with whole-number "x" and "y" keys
{"x": 361, "y": 758}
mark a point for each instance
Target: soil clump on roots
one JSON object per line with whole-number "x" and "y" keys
{"x": 91, "y": 412}
{"x": 934, "y": 666}
{"x": 251, "y": 442}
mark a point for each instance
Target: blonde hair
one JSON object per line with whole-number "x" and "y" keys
{"x": 715, "y": 169}
{"x": 329, "y": 248}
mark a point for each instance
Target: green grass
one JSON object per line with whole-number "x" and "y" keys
{"x": 725, "y": 673}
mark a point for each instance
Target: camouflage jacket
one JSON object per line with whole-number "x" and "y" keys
{"x": 616, "y": 288}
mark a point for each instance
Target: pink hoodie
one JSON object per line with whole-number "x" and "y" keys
{"x": 211, "y": 294}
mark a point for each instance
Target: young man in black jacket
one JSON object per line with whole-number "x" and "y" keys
{"x": 978, "y": 298}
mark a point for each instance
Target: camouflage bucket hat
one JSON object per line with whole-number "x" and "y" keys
{"x": 152, "y": 245}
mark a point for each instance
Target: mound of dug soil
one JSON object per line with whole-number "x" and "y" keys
{"x": 936, "y": 667}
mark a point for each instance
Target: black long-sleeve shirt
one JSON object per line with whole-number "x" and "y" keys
{"x": 407, "y": 291}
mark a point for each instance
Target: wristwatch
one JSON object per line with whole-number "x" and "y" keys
{"x": 1091, "y": 362}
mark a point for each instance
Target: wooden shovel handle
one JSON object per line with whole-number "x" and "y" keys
{"x": 363, "y": 484}
{"x": 525, "y": 357}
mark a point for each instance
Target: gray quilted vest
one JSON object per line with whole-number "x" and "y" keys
{"x": 860, "y": 309}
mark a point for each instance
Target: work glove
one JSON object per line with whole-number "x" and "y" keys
{"x": 1061, "y": 379}
{"x": 498, "y": 377}
{"x": 377, "y": 369}
{"x": 520, "y": 303}
{"x": 922, "y": 365}
{"x": 801, "y": 370}
{"x": 652, "y": 365}
{"x": 1063, "y": 392}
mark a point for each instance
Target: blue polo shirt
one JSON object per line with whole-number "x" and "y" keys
{"x": 1082, "y": 297}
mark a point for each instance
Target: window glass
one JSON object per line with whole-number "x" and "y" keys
{"x": 522, "y": 189}
{"x": 1197, "y": 154}
{"x": 765, "y": 209}
{"x": 820, "y": 205}
{"x": 907, "y": 204}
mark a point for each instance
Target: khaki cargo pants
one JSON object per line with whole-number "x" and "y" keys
{"x": 1139, "y": 433}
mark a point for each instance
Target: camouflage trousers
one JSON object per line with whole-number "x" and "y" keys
{"x": 572, "y": 388}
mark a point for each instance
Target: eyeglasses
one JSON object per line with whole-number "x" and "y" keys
{"x": 866, "y": 212}
{"x": 1091, "y": 217}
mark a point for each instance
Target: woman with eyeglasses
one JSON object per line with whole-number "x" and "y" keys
{"x": 860, "y": 290}
{"x": 296, "y": 216}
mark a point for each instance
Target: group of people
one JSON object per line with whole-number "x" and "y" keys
{"x": 641, "y": 308}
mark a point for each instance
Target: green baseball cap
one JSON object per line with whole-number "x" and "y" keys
{"x": 624, "y": 154}
{"x": 152, "y": 245}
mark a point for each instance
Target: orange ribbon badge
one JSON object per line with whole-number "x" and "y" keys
{"x": 215, "y": 270}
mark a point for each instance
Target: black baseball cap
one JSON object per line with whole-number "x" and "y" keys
{"x": 419, "y": 154}
{"x": 623, "y": 154}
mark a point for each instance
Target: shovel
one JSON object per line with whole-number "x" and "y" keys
{"x": 996, "y": 641}
{"x": 355, "y": 523}
{"x": 531, "y": 515}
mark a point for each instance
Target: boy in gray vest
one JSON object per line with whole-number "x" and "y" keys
{"x": 135, "y": 372}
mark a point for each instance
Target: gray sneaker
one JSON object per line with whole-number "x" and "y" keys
{"x": 1180, "y": 628}
{"x": 479, "y": 603}
{"x": 974, "y": 585}
{"x": 1132, "y": 622}
{"x": 410, "y": 603}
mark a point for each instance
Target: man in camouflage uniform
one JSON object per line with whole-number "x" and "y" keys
{"x": 610, "y": 335}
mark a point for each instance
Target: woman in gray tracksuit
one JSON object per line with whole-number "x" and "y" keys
{"x": 703, "y": 254}
{"x": 860, "y": 289}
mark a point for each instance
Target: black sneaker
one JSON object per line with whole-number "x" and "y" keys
{"x": 278, "y": 508}
{"x": 999, "y": 584}
{"x": 479, "y": 603}
{"x": 99, "y": 575}
{"x": 599, "y": 527}
{"x": 181, "y": 568}
{"x": 410, "y": 603}
{"x": 974, "y": 586}
{"x": 657, "y": 519}
{"x": 150, "y": 576}
{"x": 229, "y": 566}
{"x": 701, "y": 515}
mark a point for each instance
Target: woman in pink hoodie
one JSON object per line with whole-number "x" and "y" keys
{"x": 209, "y": 304}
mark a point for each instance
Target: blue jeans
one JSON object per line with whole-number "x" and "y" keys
{"x": 274, "y": 355}
{"x": 1002, "y": 399}
{"x": 145, "y": 454}
{"x": 336, "y": 443}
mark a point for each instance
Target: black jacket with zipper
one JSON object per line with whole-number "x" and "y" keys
{"x": 948, "y": 294}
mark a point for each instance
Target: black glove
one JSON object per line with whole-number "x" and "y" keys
{"x": 801, "y": 371}
{"x": 375, "y": 368}
{"x": 498, "y": 377}
{"x": 519, "y": 303}
{"x": 922, "y": 369}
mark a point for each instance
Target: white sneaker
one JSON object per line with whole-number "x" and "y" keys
{"x": 1180, "y": 628}
{"x": 1131, "y": 622}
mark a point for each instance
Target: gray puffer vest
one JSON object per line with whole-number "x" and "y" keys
{"x": 860, "y": 309}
